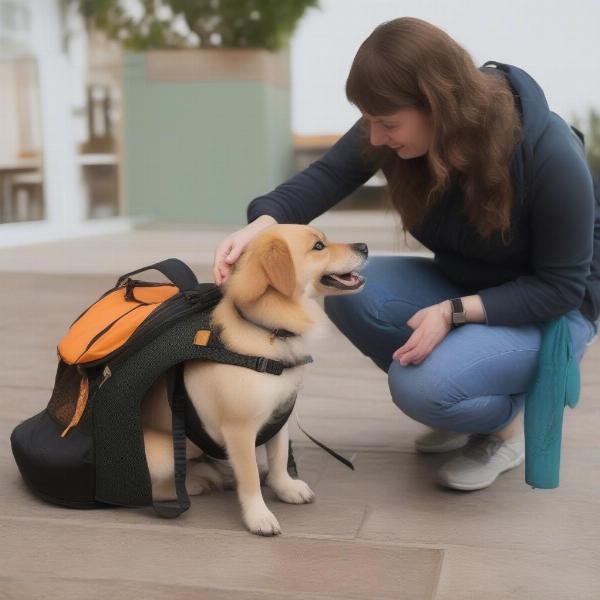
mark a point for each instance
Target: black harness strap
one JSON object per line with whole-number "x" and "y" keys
{"x": 197, "y": 433}
{"x": 171, "y": 509}
{"x": 280, "y": 333}
{"x": 262, "y": 364}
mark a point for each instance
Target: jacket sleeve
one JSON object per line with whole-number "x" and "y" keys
{"x": 317, "y": 188}
{"x": 562, "y": 241}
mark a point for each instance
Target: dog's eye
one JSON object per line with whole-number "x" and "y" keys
{"x": 319, "y": 246}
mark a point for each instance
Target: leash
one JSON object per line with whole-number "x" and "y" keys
{"x": 345, "y": 461}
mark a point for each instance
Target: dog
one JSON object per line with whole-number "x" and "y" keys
{"x": 273, "y": 285}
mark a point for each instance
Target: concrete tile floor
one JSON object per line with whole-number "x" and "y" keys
{"x": 385, "y": 530}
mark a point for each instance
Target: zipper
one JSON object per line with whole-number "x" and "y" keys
{"x": 90, "y": 306}
{"x": 128, "y": 281}
{"x": 191, "y": 296}
{"x": 103, "y": 331}
{"x": 146, "y": 332}
{"x": 106, "y": 373}
{"x": 116, "y": 351}
{"x": 172, "y": 307}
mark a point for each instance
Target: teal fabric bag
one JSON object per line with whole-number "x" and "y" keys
{"x": 556, "y": 385}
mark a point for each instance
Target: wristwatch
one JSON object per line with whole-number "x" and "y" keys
{"x": 459, "y": 316}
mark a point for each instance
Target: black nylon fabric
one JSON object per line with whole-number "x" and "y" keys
{"x": 58, "y": 470}
{"x": 122, "y": 475}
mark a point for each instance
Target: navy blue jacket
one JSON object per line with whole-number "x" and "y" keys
{"x": 552, "y": 264}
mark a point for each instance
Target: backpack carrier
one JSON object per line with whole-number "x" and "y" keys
{"x": 86, "y": 448}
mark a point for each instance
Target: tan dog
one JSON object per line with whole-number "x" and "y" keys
{"x": 274, "y": 284}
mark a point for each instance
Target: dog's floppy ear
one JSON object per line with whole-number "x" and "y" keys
{"x": 276, "y": 259}
{"x": 266, "y": 262}
{"x": 249, "y": 280}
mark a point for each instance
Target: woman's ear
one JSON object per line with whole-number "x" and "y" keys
{"x": 276, "y": 259}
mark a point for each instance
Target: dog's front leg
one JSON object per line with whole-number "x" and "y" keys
{"x": 240, "y": 443}
{"x": 294, "y": 491}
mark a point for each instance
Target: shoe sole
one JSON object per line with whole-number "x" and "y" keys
{"x": 479, "y": 486}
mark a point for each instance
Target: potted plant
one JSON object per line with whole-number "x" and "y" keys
{"x": 206, "y": 102}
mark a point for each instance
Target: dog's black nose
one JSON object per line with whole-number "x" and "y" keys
{"x": 362, "y": 248}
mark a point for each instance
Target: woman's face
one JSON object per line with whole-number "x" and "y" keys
{"x": 408, "y": 132}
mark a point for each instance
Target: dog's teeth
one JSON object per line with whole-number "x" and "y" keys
{"x": 346, "y": 278}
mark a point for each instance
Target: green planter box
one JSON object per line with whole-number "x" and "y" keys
{"x": 204, "y": 131}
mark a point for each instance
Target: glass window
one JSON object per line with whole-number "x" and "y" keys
{"x": 21, "y": 183}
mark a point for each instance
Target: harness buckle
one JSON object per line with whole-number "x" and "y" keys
{"x": 261, "y": 364}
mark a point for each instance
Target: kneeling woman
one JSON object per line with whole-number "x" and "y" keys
{"x": 497, "y": 187}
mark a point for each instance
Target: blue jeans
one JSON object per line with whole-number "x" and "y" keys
{"x": 474, "y": 381}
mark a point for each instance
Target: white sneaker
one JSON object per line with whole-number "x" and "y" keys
{"x": 484, "y": 458}
{"x": 441, "y": 441}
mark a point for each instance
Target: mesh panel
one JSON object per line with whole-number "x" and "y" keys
{"x": 66, "y": 391}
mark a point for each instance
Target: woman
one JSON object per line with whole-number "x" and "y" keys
{"x": 497, "y": 186}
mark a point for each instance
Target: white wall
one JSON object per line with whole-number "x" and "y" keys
{"x": 556, "y": 42}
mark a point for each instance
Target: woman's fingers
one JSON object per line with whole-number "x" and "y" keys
{"x": 417, "y": 354}
{"x": 229, "y": 250}
{"x": 223, "y": 250}
{"x": 225, "y": 271}
{"x": 411, "y": 343}
{"x": 220, "y": 253}
{"x": 234, "y": 254}
{"x": 412, "y": 357}
{"x": 411, "y": 350}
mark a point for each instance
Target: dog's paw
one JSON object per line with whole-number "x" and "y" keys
{"x": 261, "y": 521}
{"x": 202, "y": 477}
{"x": 293, "y": 491}
{"x": 227, "y": 474}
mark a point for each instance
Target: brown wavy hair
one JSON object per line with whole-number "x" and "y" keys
{"x": 409, "y": 62}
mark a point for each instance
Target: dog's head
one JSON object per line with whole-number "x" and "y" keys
{"x": 296, "y": 260}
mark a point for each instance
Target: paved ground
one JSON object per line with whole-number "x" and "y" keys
{"x": 386, "y": 530}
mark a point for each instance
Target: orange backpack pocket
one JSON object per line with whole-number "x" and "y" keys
{"x": 108, "y": 323}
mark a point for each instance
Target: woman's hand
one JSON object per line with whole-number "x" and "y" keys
{"x": 431, "y": 325}
{"x": 229, "y": 250}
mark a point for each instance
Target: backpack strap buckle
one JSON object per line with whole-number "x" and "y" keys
{"x": 261, "y": 364}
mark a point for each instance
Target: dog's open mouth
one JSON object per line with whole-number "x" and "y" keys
{"x": 343, "y": 281}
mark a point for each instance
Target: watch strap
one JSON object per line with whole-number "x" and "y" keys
{"x": 459, "y": 316}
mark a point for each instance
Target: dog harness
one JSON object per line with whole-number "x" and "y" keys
{"x": 195, "y": 429}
